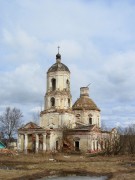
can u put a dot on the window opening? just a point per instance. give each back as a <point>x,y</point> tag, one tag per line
<point>67,84</point>
<point>76,145</point>
<point>90,120</point>
<point>52,101</point>
<point>68,102</point>
<point>57,145</point>
<point>53,84</point>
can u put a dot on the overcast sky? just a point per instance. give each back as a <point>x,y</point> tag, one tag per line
<point>97,43</point>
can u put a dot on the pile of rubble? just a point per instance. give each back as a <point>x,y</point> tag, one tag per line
<point>9,152</point>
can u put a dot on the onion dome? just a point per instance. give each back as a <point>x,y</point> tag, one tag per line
<point>84,102</point>
<point>58,66</point>
<point>58,56</point>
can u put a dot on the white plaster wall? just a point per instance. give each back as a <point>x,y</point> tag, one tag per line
<point>86,141</point>
<point>61,78</point>
<point>55,136</point>
<point>56,120</point>
<point>61,102</point>
<point>84,116</point>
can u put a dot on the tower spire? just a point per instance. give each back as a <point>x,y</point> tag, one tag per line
<point>58,49</point>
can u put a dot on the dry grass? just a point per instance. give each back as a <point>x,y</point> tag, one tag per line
<point>38,165</point>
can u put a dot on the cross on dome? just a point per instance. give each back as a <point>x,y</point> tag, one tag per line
<point>58,49</point>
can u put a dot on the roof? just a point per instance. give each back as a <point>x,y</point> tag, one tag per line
<point>31,126</point>
<point>89,128</point>
<point>85,103</point>
<point>58,66</point>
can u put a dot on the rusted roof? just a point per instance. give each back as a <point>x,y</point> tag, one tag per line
<point>85,103</point>
<point>58,67</point>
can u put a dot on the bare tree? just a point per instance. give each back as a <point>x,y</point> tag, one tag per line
<point>10,121</point>
<point>129,139</point>
<point>112,145</point>
<point>124,143</point>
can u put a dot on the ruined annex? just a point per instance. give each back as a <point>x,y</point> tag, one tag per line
<point>63,126</point>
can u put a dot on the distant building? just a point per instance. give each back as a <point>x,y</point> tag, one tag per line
<point>2,145</point>
<point>64,126</point>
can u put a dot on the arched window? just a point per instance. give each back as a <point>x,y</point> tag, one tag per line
<point>67,84</point>
<point>68,102</point>
<point>53,84</point>
<point>90,120</point>
<point>52,101</point>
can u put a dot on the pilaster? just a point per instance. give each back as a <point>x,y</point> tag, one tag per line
<point>37,143</point>
<point>44,142</point>
<point>25,143</point>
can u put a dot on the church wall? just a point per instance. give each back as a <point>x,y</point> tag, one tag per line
<point>61,101</point>
<point>88,141</point>
<point>84,115</point>
<point>56,120</point>
<point>61,78</point>
<point>84,140</point>
<point>49,120</point>
<point>56,140</point>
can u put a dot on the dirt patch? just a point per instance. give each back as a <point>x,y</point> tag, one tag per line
<point>35,166</point>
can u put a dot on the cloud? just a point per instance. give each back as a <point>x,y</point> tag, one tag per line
<point>23,85</point>
<point>24,47</point>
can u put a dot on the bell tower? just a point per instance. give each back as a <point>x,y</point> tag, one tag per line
<point>58,95</point>
<point>57,111</point>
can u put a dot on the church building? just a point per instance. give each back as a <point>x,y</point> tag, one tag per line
<point>63,126</point>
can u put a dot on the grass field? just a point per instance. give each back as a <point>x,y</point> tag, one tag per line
<point>35,166</point>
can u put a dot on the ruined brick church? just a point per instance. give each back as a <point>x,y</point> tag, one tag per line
<point>63,126</point>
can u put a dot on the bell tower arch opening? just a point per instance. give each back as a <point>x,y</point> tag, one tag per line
<point>52,102</point>
<point>67,84</point>
<point>68,102</point>
<point>53,84</point>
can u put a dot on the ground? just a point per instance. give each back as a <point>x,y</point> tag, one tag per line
<point>35,166</point>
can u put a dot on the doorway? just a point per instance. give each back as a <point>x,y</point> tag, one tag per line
<point>76,145</point>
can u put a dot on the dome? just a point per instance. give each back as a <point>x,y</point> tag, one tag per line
<point>85,103</point>
<point>58,66</point>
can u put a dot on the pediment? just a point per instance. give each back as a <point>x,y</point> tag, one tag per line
<point>31,125</point>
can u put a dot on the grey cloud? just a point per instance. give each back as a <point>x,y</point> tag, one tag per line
<point>24,85</point>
